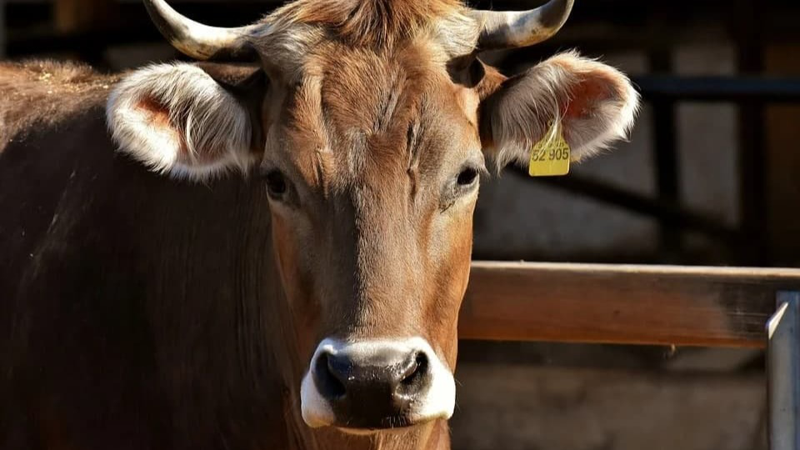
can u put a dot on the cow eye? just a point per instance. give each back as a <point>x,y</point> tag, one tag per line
<point>461,185</point>
<point>467,177</point>
<point>276,184</point>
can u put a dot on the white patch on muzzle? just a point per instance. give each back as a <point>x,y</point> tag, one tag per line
<point>437,402</point>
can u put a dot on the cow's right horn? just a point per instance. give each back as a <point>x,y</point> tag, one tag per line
<point>197,40</point>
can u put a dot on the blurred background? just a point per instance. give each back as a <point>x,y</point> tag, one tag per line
<point>711,176</point>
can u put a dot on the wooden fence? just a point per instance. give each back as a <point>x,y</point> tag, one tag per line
<point>690,306</point>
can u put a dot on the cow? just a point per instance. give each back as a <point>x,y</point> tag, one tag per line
<point>266,248</point>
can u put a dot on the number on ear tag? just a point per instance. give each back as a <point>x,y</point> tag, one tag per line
<point>550,156</point>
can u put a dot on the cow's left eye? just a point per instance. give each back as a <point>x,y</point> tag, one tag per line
<point>276,184</point>
<point>464,183</point>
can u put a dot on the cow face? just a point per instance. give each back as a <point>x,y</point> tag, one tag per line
<point>370,154</point>
<point>372,170</point>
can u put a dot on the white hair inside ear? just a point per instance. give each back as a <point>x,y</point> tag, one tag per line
<point>177,120</point>
<point>593,104</point>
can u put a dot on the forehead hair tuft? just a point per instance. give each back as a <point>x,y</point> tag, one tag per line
<point>378,25</point>
<point>373,23</point>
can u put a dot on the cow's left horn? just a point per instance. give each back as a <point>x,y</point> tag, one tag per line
<point>197,40</point>
<point>512,29</point>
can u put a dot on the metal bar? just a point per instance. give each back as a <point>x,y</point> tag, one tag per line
<point>719,89</point>
<point>752,154</point>
<point>783,368</point>
<point>667,167</point>
<point>2,29</point>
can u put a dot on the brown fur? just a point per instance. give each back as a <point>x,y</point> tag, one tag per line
<point>45,93</point>
<point>194,286</point>
<point>376,24</point>
<point>367,245</point>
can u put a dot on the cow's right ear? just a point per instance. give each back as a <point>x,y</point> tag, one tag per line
<point>179,120</point>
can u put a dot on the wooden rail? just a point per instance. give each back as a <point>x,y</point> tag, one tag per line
<point>623,304</point>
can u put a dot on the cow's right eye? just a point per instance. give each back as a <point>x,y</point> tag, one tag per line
<point>276,184</point>
<point>467,177</point>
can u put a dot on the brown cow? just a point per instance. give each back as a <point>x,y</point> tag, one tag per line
<point>312,301</point>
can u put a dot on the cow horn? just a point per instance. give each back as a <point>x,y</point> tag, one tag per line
<point>197,40</point>
<point>513,29</point>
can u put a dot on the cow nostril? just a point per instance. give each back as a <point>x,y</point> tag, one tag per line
<point>417,370</point>
<point>329,377</point>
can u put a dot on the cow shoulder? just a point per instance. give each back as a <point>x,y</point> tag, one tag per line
<point>45,93</point>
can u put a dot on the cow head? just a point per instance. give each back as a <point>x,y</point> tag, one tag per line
<point>370,124</point>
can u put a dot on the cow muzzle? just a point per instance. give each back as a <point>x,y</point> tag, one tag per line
<point>374,385</point>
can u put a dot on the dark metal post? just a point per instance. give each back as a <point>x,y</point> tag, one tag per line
<point>2,29</point>
<point>752,151</point>
<point>667,167</point>
<point>783,371</point>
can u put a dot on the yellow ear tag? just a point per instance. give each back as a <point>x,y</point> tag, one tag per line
<point>550,156</point>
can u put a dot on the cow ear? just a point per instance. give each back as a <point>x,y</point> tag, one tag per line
<point>178,120</point>
<point>594,104</point>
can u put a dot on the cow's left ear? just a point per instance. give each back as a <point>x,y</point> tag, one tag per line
<point>594,104</point>
<point>179,120</point>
